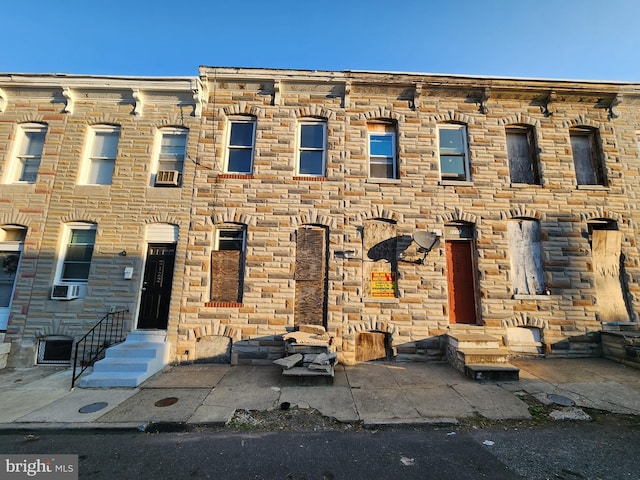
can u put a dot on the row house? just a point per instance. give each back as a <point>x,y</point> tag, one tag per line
<point>95,198</point>
<point>395,210</point>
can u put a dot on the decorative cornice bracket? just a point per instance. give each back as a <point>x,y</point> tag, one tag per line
<point>67,93</point>
<point>139,102</point>
<point>346,99</point>
<point>417,92</point>
<point>544,101</point>
<point>276,91</point>
<point>480,98</point>
<point>200,96</point>
<point>610,104</point>
<point>3,101</point>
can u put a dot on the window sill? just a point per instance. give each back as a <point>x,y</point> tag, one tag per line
<point>309,178</point>
<point>525,185</point>
<point>380,300</point>
<point>593,187</point>
<point>92,190</point>
<point>223,304</point>
<point>238,176</point>
<point>531,297</point>
<point>455,183</point>
<point>392,181</point>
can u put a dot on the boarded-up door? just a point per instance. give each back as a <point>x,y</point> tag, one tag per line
<point>371,346</point>
<point>311,276</point>
<point>606,250</point>
<point>461,282</point>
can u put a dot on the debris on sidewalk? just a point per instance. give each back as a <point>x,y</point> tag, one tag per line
<point>312,356</point>
<point>570,413</point>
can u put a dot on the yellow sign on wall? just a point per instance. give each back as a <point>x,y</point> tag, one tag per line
<point>383,284</point>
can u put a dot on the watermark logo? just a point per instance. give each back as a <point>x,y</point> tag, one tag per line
<point>49,467</point>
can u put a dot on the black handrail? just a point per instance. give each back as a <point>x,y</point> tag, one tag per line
<point>108,331</point>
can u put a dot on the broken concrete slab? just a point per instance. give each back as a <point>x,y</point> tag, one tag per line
<point>325,358</point>
<point>307,338</point>
<point>321,368</point>
<point>289,361</point>
<point>315,329</point>
<point>570,414</point>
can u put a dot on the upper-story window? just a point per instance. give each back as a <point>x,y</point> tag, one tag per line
<point>312,148</point>
<point>454,154</point>
<point>30,143</point>
<point>79,243</point>
<point>241,145</point>
<point>171,154</point>
<point>587,156</point>
<point>522,154</point>
<point>383,162</point>
<point>101,157</point>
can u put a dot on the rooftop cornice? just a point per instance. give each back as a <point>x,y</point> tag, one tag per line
<point>90,82</point>
<point>495,86</point>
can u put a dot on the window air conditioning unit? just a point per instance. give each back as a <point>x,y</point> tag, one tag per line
<point>168,177</point>
<point>65,292</point>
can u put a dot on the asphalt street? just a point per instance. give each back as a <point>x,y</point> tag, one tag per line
<point>566,451</point>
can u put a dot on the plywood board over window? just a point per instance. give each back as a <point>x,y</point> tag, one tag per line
<point>526,257</point>
<point>226,273</point>
<point>606,249</point>
<point>311,276</point>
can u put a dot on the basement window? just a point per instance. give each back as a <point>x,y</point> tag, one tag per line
<point>54,350</point>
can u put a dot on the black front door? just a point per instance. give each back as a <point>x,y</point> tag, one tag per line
<point>156,286</point>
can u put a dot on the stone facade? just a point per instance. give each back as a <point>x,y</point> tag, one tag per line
<point>368,221</point>
<point>68,106</point>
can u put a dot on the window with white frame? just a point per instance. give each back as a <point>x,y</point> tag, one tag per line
<point>76,259</point>
<point>311,150</point>
<point>101,156</point>
<point>383,161</point>
<point>171,154</point>
<point>240,147</point>
<point>453,149</point>
<point>30,143</point>
<point>11,243</point>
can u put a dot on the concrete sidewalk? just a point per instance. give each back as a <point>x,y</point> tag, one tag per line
<point>372,393</point>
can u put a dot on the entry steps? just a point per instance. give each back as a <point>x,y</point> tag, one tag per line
<point>128,364</point>
<point>480,357</point>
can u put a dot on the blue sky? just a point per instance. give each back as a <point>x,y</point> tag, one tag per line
<point>557,39</point>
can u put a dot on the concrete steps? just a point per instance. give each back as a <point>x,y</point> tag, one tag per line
<point>480,356</point>
<point>128,364</point>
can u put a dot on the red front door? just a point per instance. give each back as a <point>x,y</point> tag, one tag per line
<point>461,282</point>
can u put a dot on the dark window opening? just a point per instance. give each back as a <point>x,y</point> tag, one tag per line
<point>54,351</point>
<point>522,154</point>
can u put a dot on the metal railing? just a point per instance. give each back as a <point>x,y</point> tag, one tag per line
<point>90,348</point>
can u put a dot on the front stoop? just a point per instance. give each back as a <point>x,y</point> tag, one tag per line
<point>128,364</point>
<point>480,357</point>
